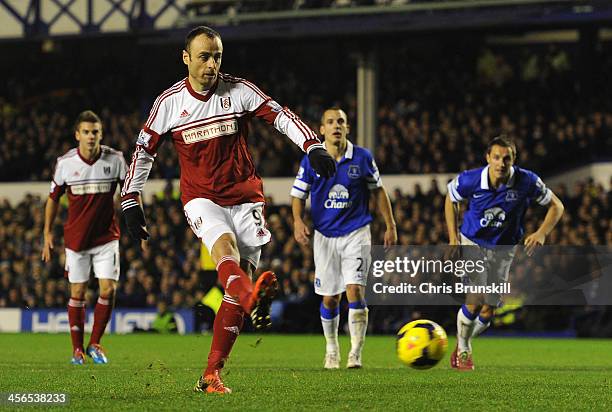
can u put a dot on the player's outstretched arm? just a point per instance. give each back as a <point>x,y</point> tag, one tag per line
<point>289,124</point>
<point>386,211</point>
<point>300,230</point>
<point>51,208</point>
<point>553,215</point>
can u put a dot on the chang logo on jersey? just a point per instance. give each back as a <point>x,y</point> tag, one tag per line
<point>338,198</point>
<point>210,131</point>
<point>493,217</point>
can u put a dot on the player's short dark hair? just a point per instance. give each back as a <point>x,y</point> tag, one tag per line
<point>502,141</point>
<point>86,116</point>
<point>332,108</point>
<point>196,31</point>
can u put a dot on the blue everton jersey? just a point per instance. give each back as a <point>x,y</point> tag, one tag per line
<point>495,217</point>
<point>339,205</point>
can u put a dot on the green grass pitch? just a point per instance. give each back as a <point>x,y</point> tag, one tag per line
<point>281,372</point>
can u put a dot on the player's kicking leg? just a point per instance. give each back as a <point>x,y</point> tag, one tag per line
<point>330,319</point>
<point>358,323</point>
<point>241,297</point>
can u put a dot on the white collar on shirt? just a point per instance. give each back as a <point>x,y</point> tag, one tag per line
<point>484,178</point>
<point>348,154</point>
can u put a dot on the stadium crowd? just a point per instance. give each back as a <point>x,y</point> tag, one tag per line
<point>170,270</point>
<point>428,120</point>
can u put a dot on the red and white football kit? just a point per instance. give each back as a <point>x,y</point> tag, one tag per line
<point>221,190</point>
<point>91,232</point>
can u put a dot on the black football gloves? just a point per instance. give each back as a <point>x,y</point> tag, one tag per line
<point>134,217</point>
<point>322,162</point>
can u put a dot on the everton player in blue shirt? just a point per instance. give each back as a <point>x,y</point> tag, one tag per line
<point>498,196</point>
<point>341,220</point>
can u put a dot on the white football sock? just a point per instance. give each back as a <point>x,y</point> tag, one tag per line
<point>465,323</point>
<point>330,319</point>
<point>358,325</point>
<point>480,325</point>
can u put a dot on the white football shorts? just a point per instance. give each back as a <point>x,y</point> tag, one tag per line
<point>341,261</point>
<point>497,267</point>
<point>209,221</point>
<point>103,258</point>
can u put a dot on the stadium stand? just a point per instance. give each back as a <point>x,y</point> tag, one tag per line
<point>429,121</point>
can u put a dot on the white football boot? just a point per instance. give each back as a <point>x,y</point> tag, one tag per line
<point>354,360</point>
<point>332,360</point>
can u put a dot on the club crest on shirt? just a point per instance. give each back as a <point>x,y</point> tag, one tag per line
<point>354,171</point>
<point>511,196</point>
<point>107,170</point>
<point>226,103</point>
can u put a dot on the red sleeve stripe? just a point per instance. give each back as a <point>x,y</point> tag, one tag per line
<point>130,174</point>
<point>232,79</point>
<point>312,134</point>
<point>229,78</point>
<point>293,117</point>
<point>160,99</point>
<point>154,111</point>
<point>256,89</point>
<point>306,131</point>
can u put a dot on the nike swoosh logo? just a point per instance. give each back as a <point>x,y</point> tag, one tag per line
<point>477,196</point>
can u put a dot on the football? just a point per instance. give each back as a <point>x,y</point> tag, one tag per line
<point>421,344</point>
